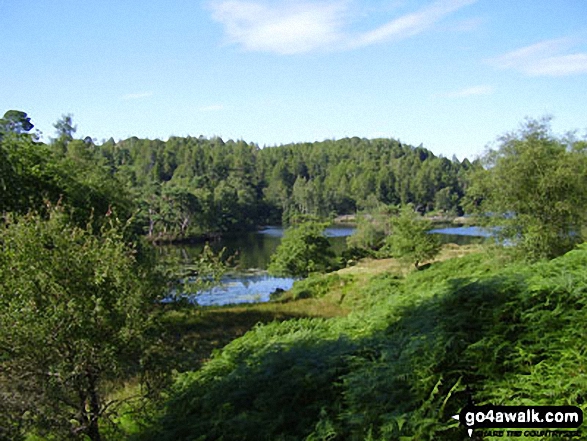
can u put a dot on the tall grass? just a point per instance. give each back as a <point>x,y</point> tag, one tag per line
<point>402,364</point>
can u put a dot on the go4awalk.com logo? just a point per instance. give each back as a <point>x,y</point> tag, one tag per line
<point>530,418</point>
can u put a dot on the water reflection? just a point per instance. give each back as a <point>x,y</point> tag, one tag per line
<point>253,251</point>
<point>340,230</point>
<point>462,235</point>
<point>463,231</point>
<point>242,288</point>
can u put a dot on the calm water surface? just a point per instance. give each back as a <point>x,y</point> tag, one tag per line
<point>462,235</point>
<point>252,251</point>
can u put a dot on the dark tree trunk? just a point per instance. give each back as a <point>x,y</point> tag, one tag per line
<point>93,428</point>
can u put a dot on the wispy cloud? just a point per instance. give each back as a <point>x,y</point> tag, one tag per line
<point>212,108</point>
<point>468,91</point>
<point>411,24</point>
<point>291,28</point>
<point>546,58</point>
<point>136,96</point>
<point>466,25</point>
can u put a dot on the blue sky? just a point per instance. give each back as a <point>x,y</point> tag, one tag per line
<point>452,75</point>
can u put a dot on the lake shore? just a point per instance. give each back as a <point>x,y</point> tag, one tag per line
<point>196,332</point>
<point>351,219</point>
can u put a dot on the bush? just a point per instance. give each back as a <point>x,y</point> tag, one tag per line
<point>317,285</point>
<point>303,250</point>
<point>74,316</point>
<point>401,367</point>
<point>533,190</point>
<point>411,240</point>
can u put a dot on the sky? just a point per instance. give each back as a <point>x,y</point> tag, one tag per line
<point>451,75</point>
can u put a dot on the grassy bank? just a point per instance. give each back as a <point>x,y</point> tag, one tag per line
<point>398,365</point>
<point>192,334</point>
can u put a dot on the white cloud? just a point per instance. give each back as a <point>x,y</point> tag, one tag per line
<point>562,65</point>
<point>466,25</point>
<point>289,27</point>
<point>545,58</point>
<point>469,91</point>
<point>137,96</point>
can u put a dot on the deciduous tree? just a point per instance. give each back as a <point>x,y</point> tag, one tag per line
<point>533,188</point>
<point>15,121</point>
<point>411,240</point>
<point>74,311</point>
<point>303,250</point>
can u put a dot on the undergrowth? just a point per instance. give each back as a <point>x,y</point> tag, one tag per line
<point>400,365</point>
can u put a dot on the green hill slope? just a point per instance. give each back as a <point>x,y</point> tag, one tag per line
<point>398,367</point>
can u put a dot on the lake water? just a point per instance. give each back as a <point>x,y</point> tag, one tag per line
<point>242,288</point>
<point>252,252</point>
<point>462,235</point>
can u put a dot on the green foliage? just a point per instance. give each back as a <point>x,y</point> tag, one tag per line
<point>399,368</point>
<point>76,296</point>
<point>534,190</point>
<point>372,228</point>
<point>75,309</point>
<point>317,285</point>
<point>15,122</point>
<point>26,176</point>
<point>303,250</point>
<point>246,186</point>
<point>33,177</point>
<point>200,274</point>
<point>446,201</point>
<point>411,240</point>
<point>285,355</point>
<point>65,129</point>
<point>187,187</point>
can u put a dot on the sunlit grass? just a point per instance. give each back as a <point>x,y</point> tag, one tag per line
<point>191,334</point>
<point>195,332</point>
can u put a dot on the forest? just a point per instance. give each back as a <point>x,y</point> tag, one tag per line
<point>386,342</point>
<point>200,185</point>
<point>188,187</point>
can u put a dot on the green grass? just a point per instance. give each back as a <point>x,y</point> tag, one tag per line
<point>192,334</point>
<point>398,365</point>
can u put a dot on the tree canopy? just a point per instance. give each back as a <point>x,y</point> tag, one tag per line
<point>234,185</point>
<point>303,250</point>
<point>533,189</point>
<point>15,121</point>
<point>190,186</point>
<point>411,240</point>
<point>74,312</point>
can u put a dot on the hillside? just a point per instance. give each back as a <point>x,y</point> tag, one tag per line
<point>399,365</point>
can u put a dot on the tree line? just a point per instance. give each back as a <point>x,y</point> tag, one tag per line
<point>193,185</point>
<point>190,186</point>
<point>532,186</point>
<point>80,291</point>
